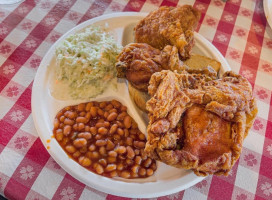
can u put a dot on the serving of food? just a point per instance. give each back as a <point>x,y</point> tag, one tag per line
<point>158,111</point>
<point>199,124</point>
<point>84,63</point>
<point>102,137</point>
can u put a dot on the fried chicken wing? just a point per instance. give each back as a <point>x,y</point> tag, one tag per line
<point>169,26</point>
<point>138,61</point>
<point>196,123</point>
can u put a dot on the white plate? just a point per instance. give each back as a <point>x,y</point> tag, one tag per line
<point>167,179</point>
<point>267,4</point>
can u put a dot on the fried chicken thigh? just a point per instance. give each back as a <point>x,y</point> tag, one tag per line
<point>196,123</point>
<point>169,26</point>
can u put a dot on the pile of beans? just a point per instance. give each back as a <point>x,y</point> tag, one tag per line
<point>103,138</point>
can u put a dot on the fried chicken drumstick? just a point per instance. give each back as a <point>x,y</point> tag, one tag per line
<point>198,124</point>
<point>169,26</point>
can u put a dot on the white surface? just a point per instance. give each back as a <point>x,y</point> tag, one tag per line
<point>267,4</point>
<point>246,179</point>
<point>192,194</point>
<point>43,184</point>
<point>10,164</point>
<point>7,2</point>
<point>254,141</point>
<point>167,179</point>
<point>24,76</point>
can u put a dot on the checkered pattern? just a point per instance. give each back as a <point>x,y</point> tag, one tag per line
<point>237,28</point>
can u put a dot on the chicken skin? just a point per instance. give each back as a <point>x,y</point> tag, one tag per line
<point>198,124</point>
<point>169,26</point>
<point>138,61</point>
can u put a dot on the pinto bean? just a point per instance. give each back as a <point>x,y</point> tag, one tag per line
<point>104,138</point>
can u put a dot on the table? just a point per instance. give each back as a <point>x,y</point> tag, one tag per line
<point>237,28</point>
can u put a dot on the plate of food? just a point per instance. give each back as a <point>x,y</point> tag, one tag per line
<point>267,4</point>
<point>139,105</point>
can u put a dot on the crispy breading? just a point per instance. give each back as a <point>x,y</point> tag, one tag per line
<point>169,26</point>
<point>138,61</point>
<point>196,123</point>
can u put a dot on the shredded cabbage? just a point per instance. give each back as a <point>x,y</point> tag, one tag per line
<point>86,61</point>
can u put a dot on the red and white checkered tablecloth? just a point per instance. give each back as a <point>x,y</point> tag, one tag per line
<point>237,28</point>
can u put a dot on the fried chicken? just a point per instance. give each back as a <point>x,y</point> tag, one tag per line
<point>169,26</point>
<point>138,61</point>
<point>196,123</point>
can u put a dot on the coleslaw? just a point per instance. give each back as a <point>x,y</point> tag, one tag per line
<point>86,62</point>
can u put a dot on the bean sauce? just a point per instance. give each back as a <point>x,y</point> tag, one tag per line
<point>104,138</point>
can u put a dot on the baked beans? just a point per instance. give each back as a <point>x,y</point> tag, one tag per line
<point>102,137</point>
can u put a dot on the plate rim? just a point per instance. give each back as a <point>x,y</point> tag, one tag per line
<point>35,94</point>
<point>268,12</point>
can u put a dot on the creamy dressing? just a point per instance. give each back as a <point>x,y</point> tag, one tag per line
<point>85,64</point>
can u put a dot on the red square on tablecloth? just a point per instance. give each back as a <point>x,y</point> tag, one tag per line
<point>233,6</point>
<point>225,27</point>
<point>25,99</point>
<point>6,131</point>
<point>220,189</point>
<point>266,169</point>
<point>268,132</point>
<point>18,193</point>
<point>41,31</point>
<point>20,55</point>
